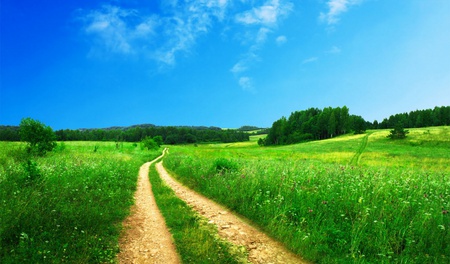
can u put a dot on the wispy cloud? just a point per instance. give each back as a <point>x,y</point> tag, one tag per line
<point>281,40</point>
<point>334,50</point>
<point>239,67</point>
<point>266,14</point>
<point>260,20</point>
<point>112,31</point>
<point>335,9</point>
<point>165,36</point>
<point>309,60</point>
<point>158,36</point>
<point>247,84</point>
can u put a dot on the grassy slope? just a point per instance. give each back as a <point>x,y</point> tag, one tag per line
<point>390,204</point>
<point>67,206</point>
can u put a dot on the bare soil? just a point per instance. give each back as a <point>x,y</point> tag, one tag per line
<point>146,238</point>
<point>261,248</point>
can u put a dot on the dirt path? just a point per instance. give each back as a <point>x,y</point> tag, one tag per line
<point>261,248</point>
<point>147,239</point>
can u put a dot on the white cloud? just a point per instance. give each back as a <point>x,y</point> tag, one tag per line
<point>161,37</point>
<point>281,40</point>
<point>335,9</point>
<point>334,50</point>
<point>266,17</point>
<point>174,31</point>
<point>309,60</point>
<point>267,14</point>
<point>247,84</point>
<point>239,67</point>
<point>110,27</point>
<point>146,28</point>
<point>261,37</point>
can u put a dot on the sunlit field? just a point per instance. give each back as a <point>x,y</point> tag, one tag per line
<point>352,199</point>
<point>67,206</point>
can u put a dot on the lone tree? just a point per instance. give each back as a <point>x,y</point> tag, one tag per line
<point>398,132</point>
<point>40,137</point>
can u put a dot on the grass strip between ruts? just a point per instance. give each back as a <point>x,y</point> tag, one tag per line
<point>196,240</point>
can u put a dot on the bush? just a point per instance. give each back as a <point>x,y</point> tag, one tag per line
<point>40,138</point>
<point>149,143</point>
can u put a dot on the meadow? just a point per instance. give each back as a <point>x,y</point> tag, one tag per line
<point>351,199</point>
<point>69,205</point>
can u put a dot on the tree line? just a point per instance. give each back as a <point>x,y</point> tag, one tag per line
<point>310,124</point>
<point>438,116</point>
<point>316,124</point>
<point>169,135</point>
<point>313,124</point>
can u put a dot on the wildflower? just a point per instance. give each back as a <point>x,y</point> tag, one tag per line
<point>310,210</point>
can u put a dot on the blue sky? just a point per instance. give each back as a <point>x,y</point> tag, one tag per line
<point>87,64</point>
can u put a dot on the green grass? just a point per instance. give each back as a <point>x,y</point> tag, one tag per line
<point>351,199</point>
<point>69,205</point>
<point>390,205</point>
<point>195,239</point>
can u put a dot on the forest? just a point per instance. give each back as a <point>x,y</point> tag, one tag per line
<point>316,124</point>
<point>304,125</point>
<point>170,134</point>
<point>439,116</point>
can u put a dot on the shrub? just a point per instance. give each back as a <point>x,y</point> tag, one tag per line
<point>149,143</point>
<point>40,138</point>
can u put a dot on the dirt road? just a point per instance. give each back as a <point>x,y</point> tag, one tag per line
<point>147,239</point>
<point>261,248</point>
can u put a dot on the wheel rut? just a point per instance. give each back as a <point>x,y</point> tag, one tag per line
<point>261,248</point>
<point>357,157</point>
<point>146,238</point>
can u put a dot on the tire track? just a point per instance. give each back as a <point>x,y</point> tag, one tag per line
<point>261,248</point>
<point>146,238</point>
<point>357,157</point>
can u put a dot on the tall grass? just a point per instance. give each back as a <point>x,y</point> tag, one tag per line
<point>330,212</point>
<point>67,206</point>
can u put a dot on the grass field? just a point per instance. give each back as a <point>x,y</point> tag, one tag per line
<point>351,199</point>
<point>67,206</point>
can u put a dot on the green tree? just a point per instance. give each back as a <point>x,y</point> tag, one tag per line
<point>344,116</point>
<point>398,132</point>
<point>332,124</point>
<point>261,142</point>
<point>358,124</point>
<point>40,138</point>
<point>276,134</point>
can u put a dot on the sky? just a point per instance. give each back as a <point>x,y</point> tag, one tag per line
<point>96,64</point>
